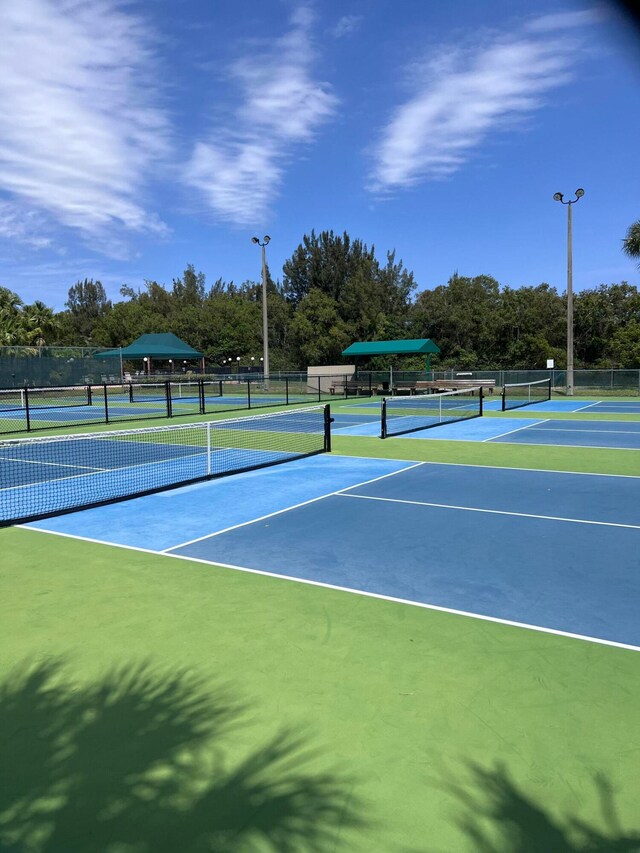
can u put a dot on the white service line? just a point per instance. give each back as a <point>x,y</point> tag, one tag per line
<point>588,406</point>
<point>93,471</point>
<point>54,464</point>
<point>493,511</point>
<point>517,429</point>
<point>376,595</point>
<point>286,509</point>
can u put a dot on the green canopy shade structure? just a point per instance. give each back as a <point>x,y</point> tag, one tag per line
<point>416,346</point>
<point>164,346</point>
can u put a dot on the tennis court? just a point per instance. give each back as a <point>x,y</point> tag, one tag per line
<point>351,651</point>
<point>489,542</point>
<point>622,435</point>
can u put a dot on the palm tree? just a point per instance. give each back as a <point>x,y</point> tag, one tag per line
<point>39,322</point>
<point>10,318</point>
<point>631,243</point>
<point>10,328</point>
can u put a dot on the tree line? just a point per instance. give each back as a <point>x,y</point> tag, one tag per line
<point>334,290</point>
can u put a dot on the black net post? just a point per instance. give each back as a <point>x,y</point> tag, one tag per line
<point>504,401</point>
<point>319,390</point>
<point>26,408</point>
<point>286,390</point>
<point>131,392</point>
<point>105,395</point>
<point>328,420</point>
<point>89,396</point>
<point>481,392</point>
<point>383,420</point>
<point>248,393</point>
<point>167,394</point>
<point>201,395</point>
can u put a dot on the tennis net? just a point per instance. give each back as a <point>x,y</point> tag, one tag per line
<point>49,476</point>
<point>409,414</point>
<point>44,398</point>
<point>520,394</point>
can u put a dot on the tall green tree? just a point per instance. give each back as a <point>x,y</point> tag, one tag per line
<point>318,333</point>
<point>599,313</point>
<point>462,317</point>
<point>325,262</point>
<point>87,303</point>
<point>190,289</point>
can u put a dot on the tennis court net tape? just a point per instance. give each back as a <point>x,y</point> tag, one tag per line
<point>517,394</point>
<point>40,477</point>
<point>401,415</point>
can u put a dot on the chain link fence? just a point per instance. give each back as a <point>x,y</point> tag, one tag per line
<point>625,383</point>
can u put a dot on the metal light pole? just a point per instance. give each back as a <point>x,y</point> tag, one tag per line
<point>559,197</point>
<point>265,323</point>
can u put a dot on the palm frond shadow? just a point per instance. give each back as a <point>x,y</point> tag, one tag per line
<point>141,761</point>
<point>496,816</point>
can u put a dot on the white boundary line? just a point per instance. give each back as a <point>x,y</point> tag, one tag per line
<point>516,429</point>
<point>347,589</point>
<point>492,511</point>
<point>589,431</point>
<point>579,446</point>
<point>496,467</point>
<point>286,509</point>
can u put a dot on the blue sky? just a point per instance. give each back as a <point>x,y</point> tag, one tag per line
<point>139,137</point>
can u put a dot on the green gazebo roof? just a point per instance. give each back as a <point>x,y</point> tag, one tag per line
<point>419,346</point>
<point>165,345</point>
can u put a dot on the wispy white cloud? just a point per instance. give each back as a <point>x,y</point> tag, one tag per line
<point>80,132</point>
<point>462,95</point>
<point>567,20</point>
<point>23,226</point>
<point>281,106</point>
<point>346,25</point>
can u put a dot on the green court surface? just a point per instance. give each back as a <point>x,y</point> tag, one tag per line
<point>149,704</point>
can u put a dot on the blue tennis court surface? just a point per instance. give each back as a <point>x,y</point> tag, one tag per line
<point>556,551</point>
<point>623,435</point>
<point>535,429</point>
